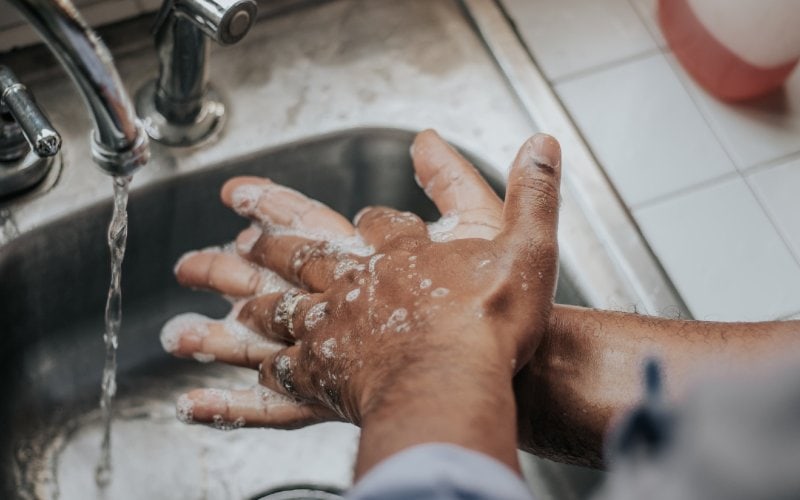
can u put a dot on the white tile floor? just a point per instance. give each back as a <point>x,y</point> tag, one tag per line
<point>714,187</point>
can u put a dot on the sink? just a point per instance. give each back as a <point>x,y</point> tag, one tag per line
<point>54,285</point>
<point>323,96</point>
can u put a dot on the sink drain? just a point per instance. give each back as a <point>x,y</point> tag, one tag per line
<point>301,492</point>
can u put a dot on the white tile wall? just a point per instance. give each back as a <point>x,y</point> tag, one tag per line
<point>715,187</point>
<point>555,31</point>
<point>644,129</point>
<point>723,253</point>
<point>755,132</point>
<point>778,189</point>
<point>648,12</point>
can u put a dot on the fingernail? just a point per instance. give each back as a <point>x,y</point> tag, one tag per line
<point>180,326</point>
<point>545,151</point>
<point>244,198</point>
<point>184,409</point>
<point>359,215</point>
<point>183,259</point>
<point>247,238</point>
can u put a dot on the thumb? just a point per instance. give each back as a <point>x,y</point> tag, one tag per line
<point>530,213</point>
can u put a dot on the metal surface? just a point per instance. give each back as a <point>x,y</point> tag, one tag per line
<point>119,144</point>
<point>179,108</point>
<point>27,139</point>
<point>15,98</point>
<point>340,65</point>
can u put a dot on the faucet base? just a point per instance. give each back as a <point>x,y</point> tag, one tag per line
<point>25,173</point>
<point>204,128</point>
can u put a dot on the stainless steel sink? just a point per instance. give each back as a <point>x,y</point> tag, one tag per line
<point>322,97</point>
<point>54,281</point>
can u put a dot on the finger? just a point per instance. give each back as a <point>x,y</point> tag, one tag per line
<point>382,226</point>
<point>227,273</point>
<point>311,264</point>
<point>196,336</point>
<point>530,215</point>
<point>287,374</point>
<point>270,203</point>
<point>455,186</point>
<point>256,407</point>
<point>284,317</point>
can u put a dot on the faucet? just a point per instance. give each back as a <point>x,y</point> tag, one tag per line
<point>28,141</point>
<point>119,143</point>
<point>179,107</point>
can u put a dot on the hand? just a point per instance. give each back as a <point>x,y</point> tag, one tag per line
<point>486,301</point>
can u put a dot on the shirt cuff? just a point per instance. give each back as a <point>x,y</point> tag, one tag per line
<point>437,472</point>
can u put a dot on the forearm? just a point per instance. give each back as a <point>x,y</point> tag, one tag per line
<point>588,371</point>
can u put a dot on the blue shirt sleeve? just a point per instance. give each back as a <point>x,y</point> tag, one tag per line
<point>440,472</point>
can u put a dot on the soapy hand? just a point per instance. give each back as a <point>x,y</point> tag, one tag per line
<point>347,318</point>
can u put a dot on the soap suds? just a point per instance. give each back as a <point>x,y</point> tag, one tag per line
<point>221,424</point>
<point>439,292</point>
<point>272,282</point>
<point>173,329</point>
<point>327,348</point>
<point>353,294</point>
<point>315,314</point>
<point>245,198</point>
<point>426,283</point>
<point>345,266</point>
<point>441,230</point>
<point>334,242</point>
<point>286,306</point>
<point>245,242</point>
<point>397,321</point>
<point>184,409</point>
<point>269,397</point>
<point>283,372</point>
<point>203,357</point>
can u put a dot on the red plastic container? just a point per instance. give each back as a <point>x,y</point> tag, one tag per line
<point>737,49</point>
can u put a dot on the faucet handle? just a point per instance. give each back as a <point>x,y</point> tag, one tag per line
<point>19,103</point>
<point>224,21</point>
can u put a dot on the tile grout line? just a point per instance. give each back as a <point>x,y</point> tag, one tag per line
<point>656,40</point>
<point>599,68</point>
<point>773,163</point>
<point>686,190</point>
<point>772,222</point>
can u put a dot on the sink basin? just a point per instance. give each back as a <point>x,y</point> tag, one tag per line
<point>54,286</point>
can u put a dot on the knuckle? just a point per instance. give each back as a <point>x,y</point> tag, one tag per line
<point>282,371</point>
<point>305,255</point>
<point>261,248</point>
<point>543,193</point>
<point>404,242</point>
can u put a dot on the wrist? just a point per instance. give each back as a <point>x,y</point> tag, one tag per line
<point>470,405</point>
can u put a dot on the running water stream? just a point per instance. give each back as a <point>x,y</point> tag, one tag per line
<point>117,237</point>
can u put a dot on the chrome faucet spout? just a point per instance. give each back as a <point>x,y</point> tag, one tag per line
<point>179,107</point>
<point>119,143</point>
